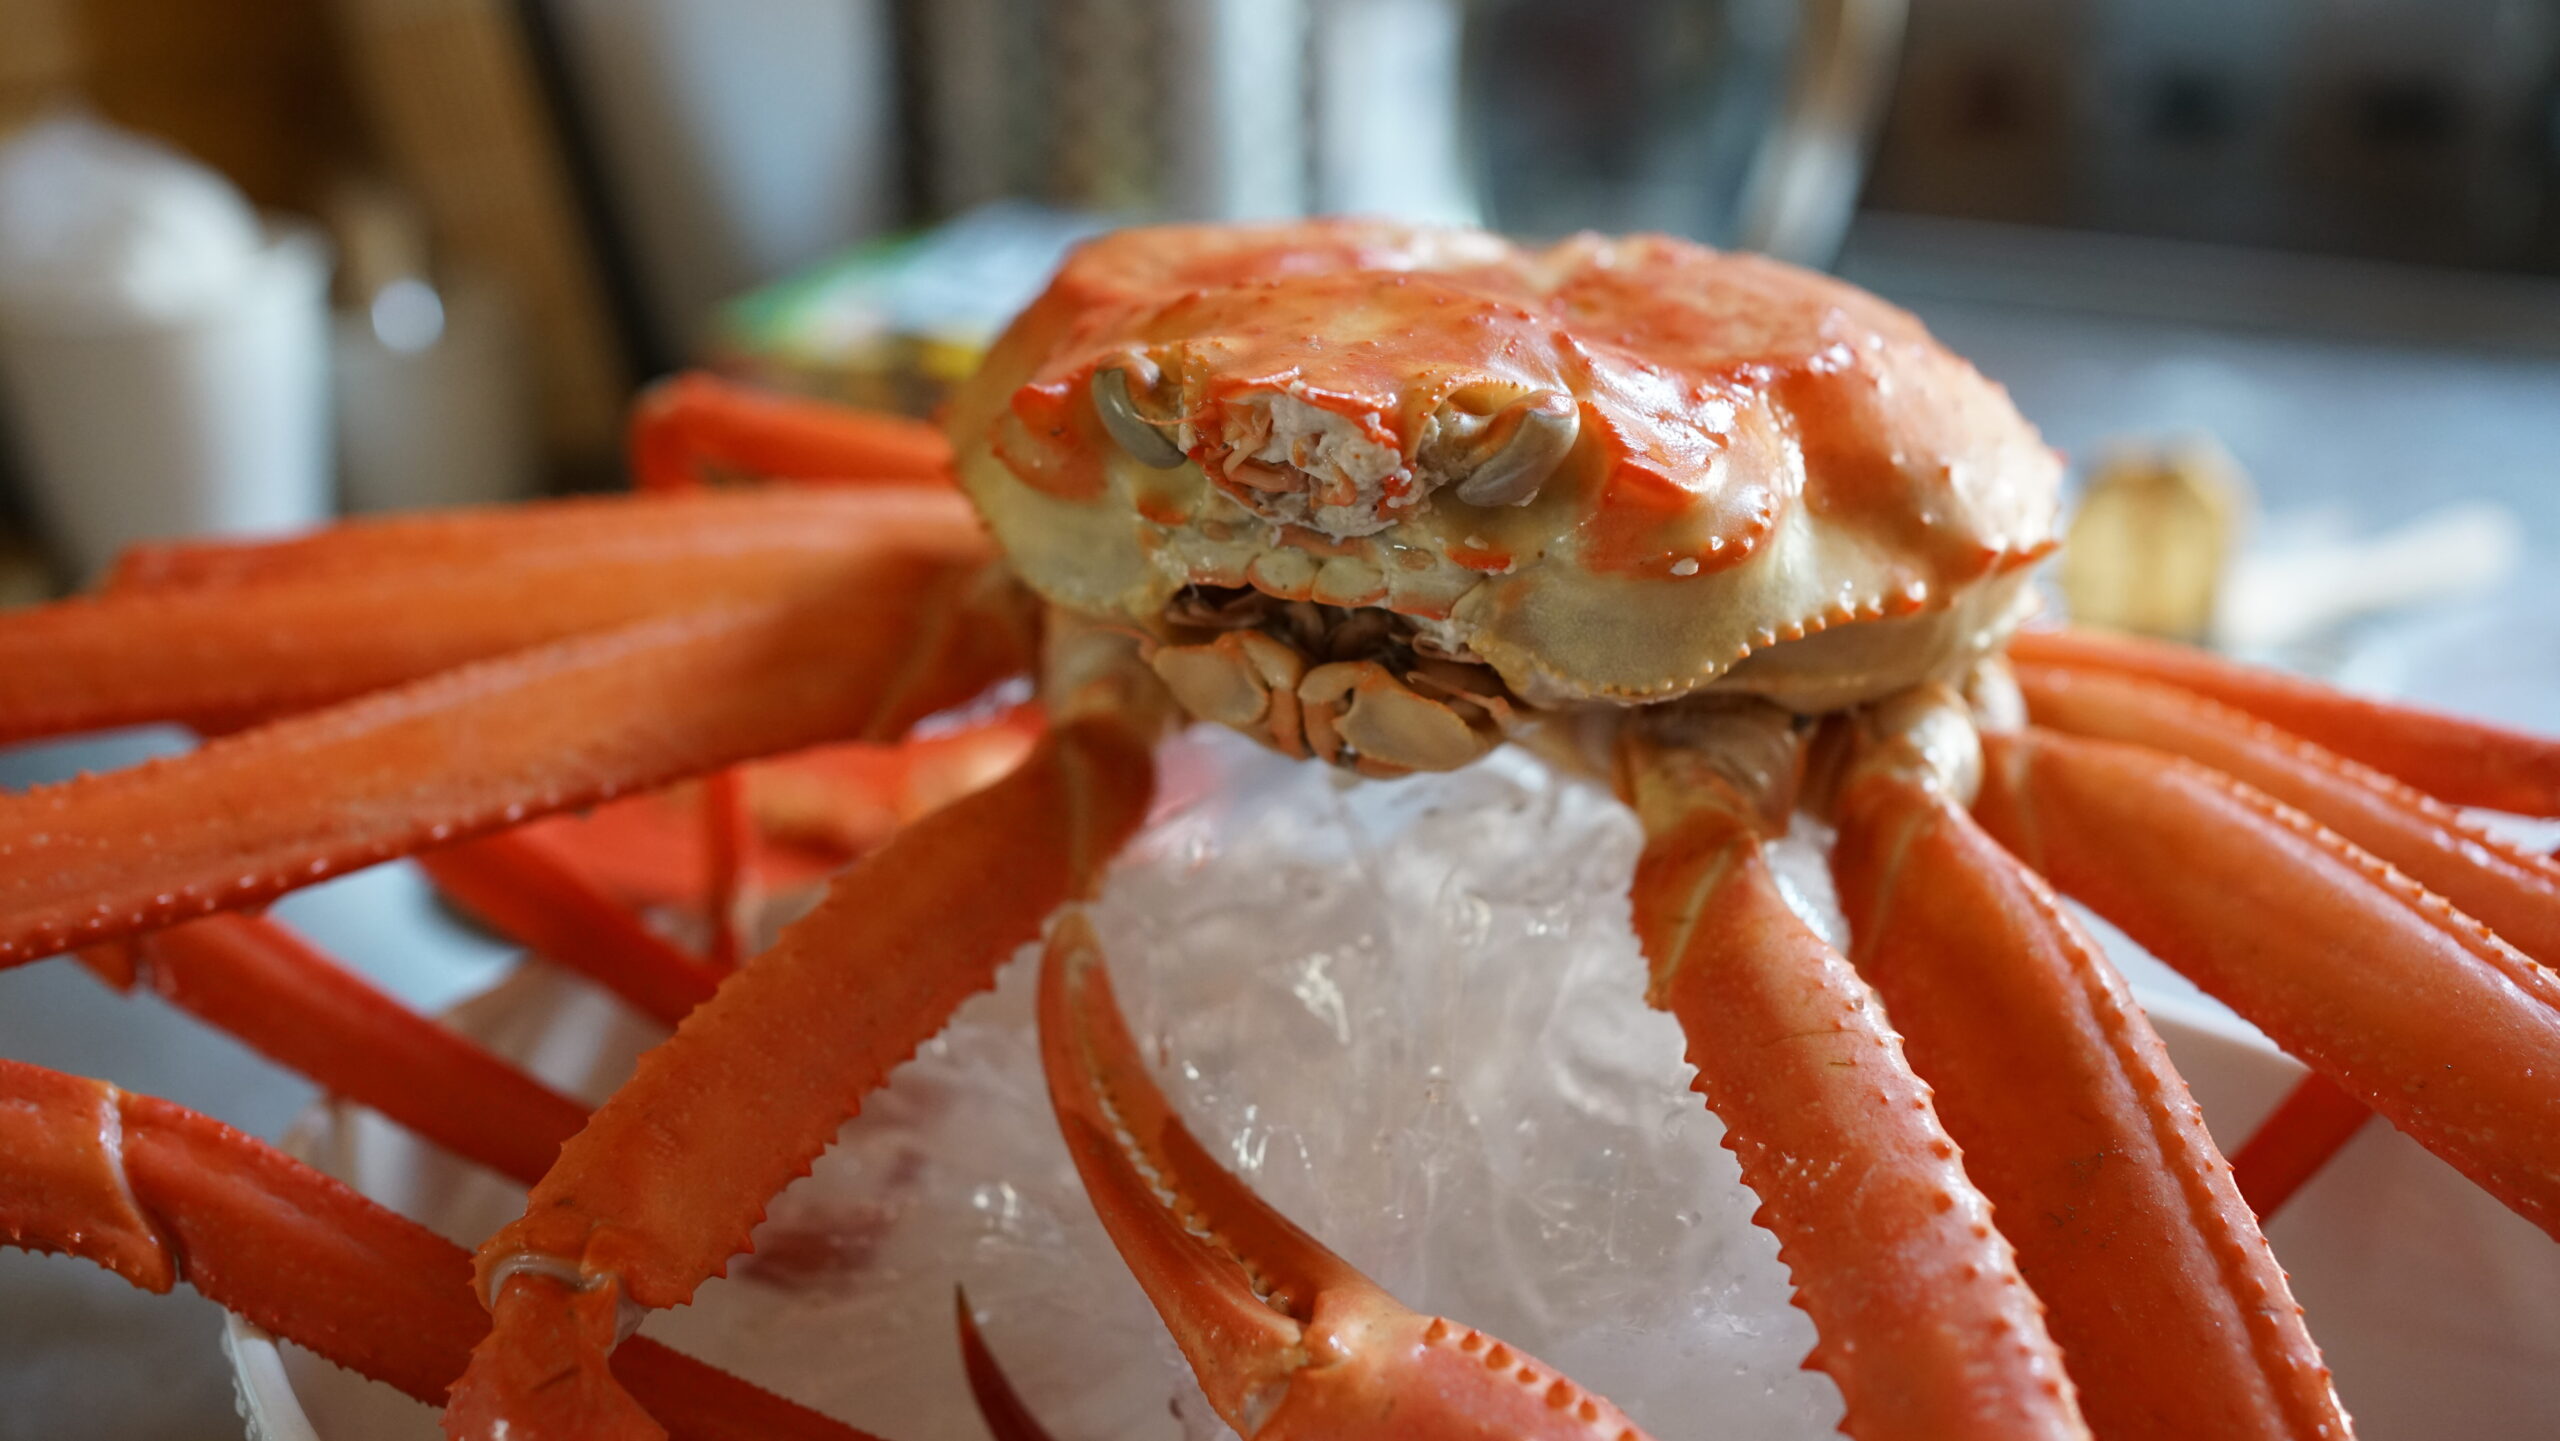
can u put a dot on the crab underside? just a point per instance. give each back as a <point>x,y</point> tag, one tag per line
<point>1737,539</point>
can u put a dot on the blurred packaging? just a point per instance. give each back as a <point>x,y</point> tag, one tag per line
<point>163,354</point>
<point>2304,588</point>
<point>2152,538</point>
<point>894,325</point>
<point>2155,548</point>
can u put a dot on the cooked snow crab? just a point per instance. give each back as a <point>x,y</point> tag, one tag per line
<point>1741,538</point>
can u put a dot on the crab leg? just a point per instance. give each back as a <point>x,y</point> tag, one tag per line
<point>156,1193</point>
<point>551,533</point>
<point>517,883</point>
<point>850,798</point>
<point>351,611</point>
<point>728,856</point>
<point>2464,762</point>
<point>2170,1310</point>
<point>999,1405</point>
<point>2378,985</point>
<point>2511,890</point>
<point>250,816</point>
<point>669,1177</point>
<point>2313,1122</point>
<point>287,1000</point>
<point>1288,1339</point>
<point>692,419</point>
<point>1925,1323</point>
<point>813,811</point>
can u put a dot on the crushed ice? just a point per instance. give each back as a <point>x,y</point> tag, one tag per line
<point>1409,1014</point>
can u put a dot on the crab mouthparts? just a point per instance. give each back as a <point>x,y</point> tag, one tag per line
<point>1362,688</point>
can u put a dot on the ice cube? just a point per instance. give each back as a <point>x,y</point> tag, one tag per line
<point>1410,1014</point>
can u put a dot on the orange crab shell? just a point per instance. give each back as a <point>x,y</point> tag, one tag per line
<point>1764,456</point>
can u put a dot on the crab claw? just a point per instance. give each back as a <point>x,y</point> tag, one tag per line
<point>1288,1340</point>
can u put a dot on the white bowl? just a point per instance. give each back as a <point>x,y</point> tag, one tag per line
<point>2438,1309</point>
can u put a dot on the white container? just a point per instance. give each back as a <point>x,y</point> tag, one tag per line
<point>214,422</point>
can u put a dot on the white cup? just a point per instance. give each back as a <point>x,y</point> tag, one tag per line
<point>216,422</point>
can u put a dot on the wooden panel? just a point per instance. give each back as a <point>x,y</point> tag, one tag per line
<point>37,62</point>
<point>253,88</point>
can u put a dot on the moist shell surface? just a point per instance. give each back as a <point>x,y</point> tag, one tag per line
<point>1778,482</point>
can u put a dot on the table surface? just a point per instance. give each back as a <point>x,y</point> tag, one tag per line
<point>2386,430</point>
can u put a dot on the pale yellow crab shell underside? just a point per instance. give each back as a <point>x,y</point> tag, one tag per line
<point>1890,499</point>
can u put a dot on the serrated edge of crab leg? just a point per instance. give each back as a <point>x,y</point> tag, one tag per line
<point>291,1002</point>
<point>844,996</point>
<point>2374,982</point>
<point>1288,1340</point>
<point>518,885</point>
<point>1923,1319</point>
<point>672,1173</point>
<point>247,817</point>
<point>2455,759</point>
<point>227,656</point>
<point>157,1193</point>
<point>2512,891</point>
<point>2172,1314</point>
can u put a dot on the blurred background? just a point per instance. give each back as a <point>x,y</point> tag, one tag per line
<point>2282,279</point>
<point>262,260</point>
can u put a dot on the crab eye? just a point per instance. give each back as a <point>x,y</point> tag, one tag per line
<point>1144,439</point>
<point>1521,448</point>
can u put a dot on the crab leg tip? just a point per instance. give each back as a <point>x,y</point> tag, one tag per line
<point>999,1405</point>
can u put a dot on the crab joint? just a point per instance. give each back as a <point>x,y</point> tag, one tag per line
<point>628,1314</point>
<point>1742,757</point>
<point>67,1188</point>
<point>1991,689</point>
<point>1521,446</point>
<point>1144,439</point>
<point>1926,733</point>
